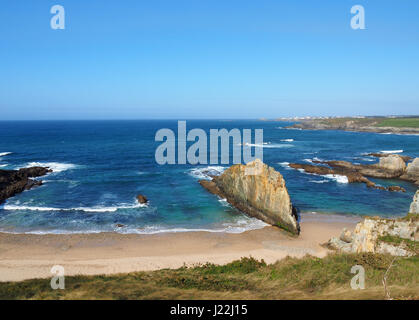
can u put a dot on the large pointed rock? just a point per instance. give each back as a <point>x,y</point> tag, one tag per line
<point>259,191</point>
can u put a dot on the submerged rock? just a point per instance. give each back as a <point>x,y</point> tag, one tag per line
<point>142,199</point>
<point>13,182</point>
<point>259,191</point>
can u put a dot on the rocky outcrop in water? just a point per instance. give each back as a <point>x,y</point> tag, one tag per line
<point>342,168</point>
<point>259,191</point>
<point>398,237</point>
<point>381,155</point>
<point>389,167</point>
<point>412,172</point>
<point>13,182</point>
<point>142,199</point>
<point>414,207</point>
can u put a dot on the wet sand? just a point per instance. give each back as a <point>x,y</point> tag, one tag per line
<point>26,256</point>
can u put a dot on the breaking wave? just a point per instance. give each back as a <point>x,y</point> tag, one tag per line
<point>207,172</point>
<point>55,166</point>
<point>268,145</point>
<point>319,181</point>
<point>286,165</point>
<point>2,154</point>
<point>239,226</point>
<point>391,151</point>
<point>85,209</point>
<point>338,178</point>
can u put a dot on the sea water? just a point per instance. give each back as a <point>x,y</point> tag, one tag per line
<point>101,166</point>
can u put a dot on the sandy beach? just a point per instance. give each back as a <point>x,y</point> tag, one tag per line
<point>26,256</point>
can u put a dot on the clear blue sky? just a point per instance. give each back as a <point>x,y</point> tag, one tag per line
<point>207,59</point>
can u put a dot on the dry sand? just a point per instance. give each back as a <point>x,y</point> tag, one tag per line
<point>25,256</point>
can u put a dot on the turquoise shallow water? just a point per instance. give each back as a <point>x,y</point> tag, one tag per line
<point>100,166</point>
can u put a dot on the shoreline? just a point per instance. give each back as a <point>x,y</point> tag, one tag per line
<point>27,256</point>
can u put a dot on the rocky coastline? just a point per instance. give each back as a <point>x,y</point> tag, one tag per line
<point>397,237</point>
<point>390,166</point>
<point>13,182</point>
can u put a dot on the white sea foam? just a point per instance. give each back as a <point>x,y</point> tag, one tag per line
<point>55,166</point>
<point>314,159</point>
<point>3,165</point>
<point>287,140</point>
<point>286,165</point>
<point>224,202</point>
<point>206,172</point>
<point>2,154</point>
<point>85,209</point>
<point>55,231</point>
<point>268,145</point>
<point>319,181</point>
<point>338,178</point>
<point>239,226</point>
<point>400,134</point>
<point>391,151</point>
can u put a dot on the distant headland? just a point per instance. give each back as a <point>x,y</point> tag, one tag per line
<point>379,124</point>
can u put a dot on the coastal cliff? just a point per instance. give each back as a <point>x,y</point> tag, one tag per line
<point>259,191</point>
<point>364,124</point>
<point>398,237</point>
<point>414,207</point>
<point>13,182</point>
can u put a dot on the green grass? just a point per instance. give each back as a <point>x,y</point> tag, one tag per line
<point>410,245</point>
<point>399,122</point>
<point>290,278</point>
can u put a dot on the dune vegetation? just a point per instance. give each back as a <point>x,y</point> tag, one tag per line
<point>290,278</point>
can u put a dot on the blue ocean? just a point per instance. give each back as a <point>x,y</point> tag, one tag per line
<point>101,166</point>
